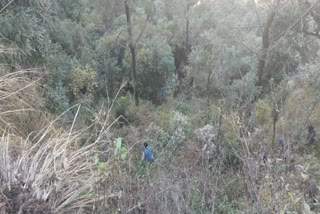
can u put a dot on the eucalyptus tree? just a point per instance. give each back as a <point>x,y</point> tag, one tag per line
<point>286,37</point>
<point>220,55</point>
<point>23,27</point>
<point>137,44</point>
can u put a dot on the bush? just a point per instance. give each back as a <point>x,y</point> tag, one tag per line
<point>263,111</point>
<point>82,82</point>
<point>200,118</point>
<point>225,206</point>
<point>183,108</point>
<point>231,154</point>
<point>157,135</point>
<point>179,128</point>
<point>51,176</point>
<point>197,204</point>
<point>162,116</point>
<point>121,108</point>
<point>206,135</point>
<point>57,101</point>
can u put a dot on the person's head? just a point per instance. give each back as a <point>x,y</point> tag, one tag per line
<point>145,145</point>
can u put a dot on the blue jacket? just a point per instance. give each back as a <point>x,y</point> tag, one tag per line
<point>148,154</point>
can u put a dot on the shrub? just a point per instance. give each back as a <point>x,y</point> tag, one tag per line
<point>263,111</point>
<point>231,156</point>
<point>51,176</point>
<point>200,118</point>
<point>183,108</point>
<point>82,82</point>
<point>179,128</point>
<point>157,135</point>
<point>197,203</point>
<point>121,107</point>
<point>57,101</point>
<point>206,135</point>
<point>225,206</point>
<point>162,116</point>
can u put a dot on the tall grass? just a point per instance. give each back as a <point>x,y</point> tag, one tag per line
<point>54,172</point>
<point>44,169</point>
<point>20,100</point>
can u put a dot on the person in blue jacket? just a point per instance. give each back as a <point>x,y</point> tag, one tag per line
<point>147,153</point>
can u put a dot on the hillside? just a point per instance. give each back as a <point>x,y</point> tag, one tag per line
<point>225,94</point>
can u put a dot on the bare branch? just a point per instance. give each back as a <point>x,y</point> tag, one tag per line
<point>266,40</point>
<point>245,45</point>
<point>278,38</point>
<point>143,29</point>
<point>6,6</point>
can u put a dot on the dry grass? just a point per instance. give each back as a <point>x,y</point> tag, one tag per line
<point>43,168</point>
<point>20,97</point>
<point>20,101</point>
<point>53,175</point>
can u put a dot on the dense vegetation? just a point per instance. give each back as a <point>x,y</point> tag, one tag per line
<point>211,85</point>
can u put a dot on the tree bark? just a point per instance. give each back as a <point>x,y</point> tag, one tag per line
<point>187,33</point>
<point>208,88</point>
<point>274,125</point>
<point>132,47</point>
<point>266,42</point>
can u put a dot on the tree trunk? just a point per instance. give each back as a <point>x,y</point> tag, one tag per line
<point>132,47</point>
<point>208,88</point>
<point>187,33</point>
<point>266,42</point>
<point>274,125</point>
<point>219,134</point>
<point>187,41</point>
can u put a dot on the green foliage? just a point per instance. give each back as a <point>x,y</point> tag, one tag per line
<point>154,63</point>
<point>263,111</point>
<point>24,29</point>
<point>200,118</point>
<point>111,68</point>
<point>82,82</point>
<point>179,128</point>
<point>122,106</point>
<point>162,116</point>
<point>120,151</point>
<point>231,154</point>
<point>57,101</point>
<point>171,85</point>
<point>282,63</point>
<point>214,44</point>
<point>157,135</point>
<point>310,73</point>
<point>242,91</point>
<point>197,204</point>
<point>225,206</point>
<point>206,134</point>
<point>102,167</point>
<point>183,107</point>
<point>146,76</point>
<point>303,101</point>
<point>71,10</point>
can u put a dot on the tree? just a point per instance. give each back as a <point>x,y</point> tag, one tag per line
<point>132,47</point>
<point>266,41</point>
